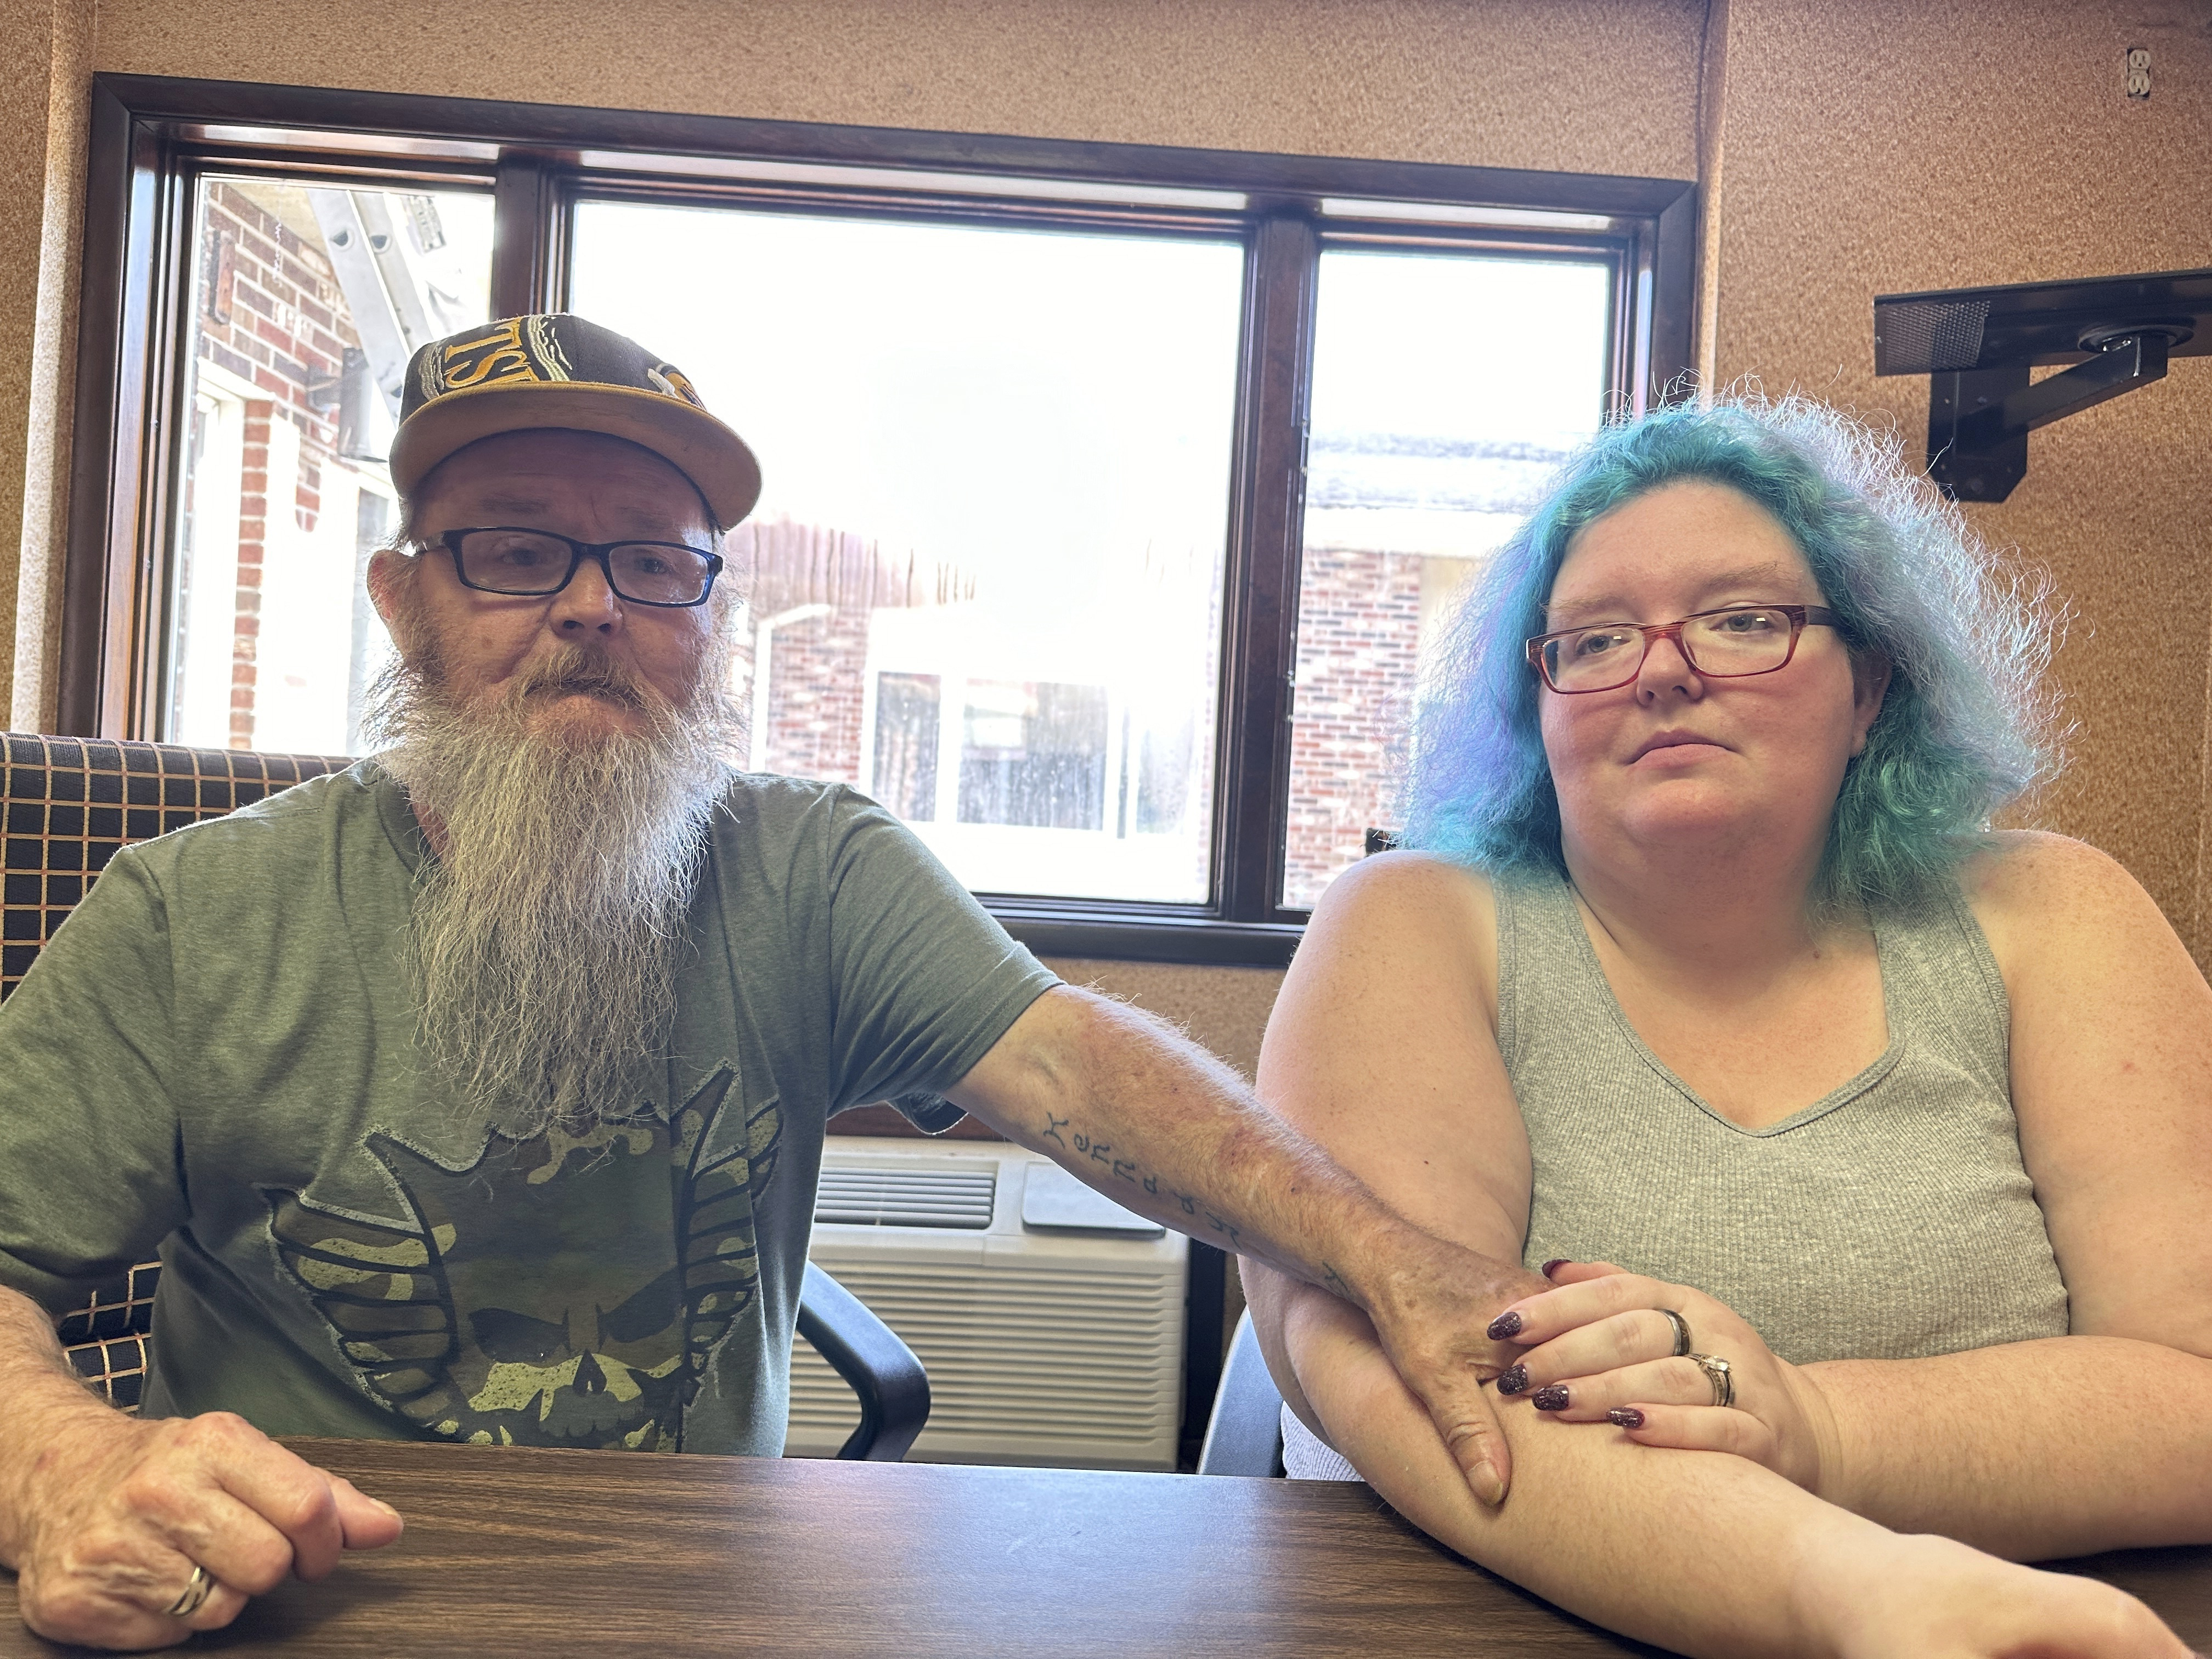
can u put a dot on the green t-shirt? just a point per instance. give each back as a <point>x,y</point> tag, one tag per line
<point>216,1055</point>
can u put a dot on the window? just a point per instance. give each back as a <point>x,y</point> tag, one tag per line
<point>306,302</point>
<point>1434,429</point>
<point>994,458</point>
<point>1112,493</point>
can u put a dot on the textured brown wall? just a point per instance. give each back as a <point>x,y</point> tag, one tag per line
<point>1224,1008</point>
<point>1887,146</point>
<point>45,81</point>
<point>1595,86</point>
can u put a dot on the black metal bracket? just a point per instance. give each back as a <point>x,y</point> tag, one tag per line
<point>1976,345</point>
<point>1979,419</point>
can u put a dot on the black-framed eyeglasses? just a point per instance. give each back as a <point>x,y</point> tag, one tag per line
<point>509,559</point>
<point>1730,643</point>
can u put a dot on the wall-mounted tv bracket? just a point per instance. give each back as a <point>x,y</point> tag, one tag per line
<point>1976,345</point>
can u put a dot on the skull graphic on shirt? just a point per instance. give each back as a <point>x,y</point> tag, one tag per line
<point>566,1289</point>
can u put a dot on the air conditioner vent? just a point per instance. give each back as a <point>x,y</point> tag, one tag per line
<point>1060,1356</point>
<point>1053,1345</point>
<point>851,1195</point>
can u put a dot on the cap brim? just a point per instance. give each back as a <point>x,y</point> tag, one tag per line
<point>687,437</point>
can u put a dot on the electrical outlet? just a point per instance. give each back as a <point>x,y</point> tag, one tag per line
<point>2137,76</point>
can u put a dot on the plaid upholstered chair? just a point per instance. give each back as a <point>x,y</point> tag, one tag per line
<point>69,804</point>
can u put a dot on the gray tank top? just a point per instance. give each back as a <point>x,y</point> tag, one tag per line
<point>1890,1219</point>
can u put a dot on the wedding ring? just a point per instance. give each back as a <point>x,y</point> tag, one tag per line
<point>1682,1329</point>
<point>196,1592</point>
<point>1716,1373</point>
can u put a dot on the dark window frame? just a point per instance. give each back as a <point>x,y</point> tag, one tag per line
<point>152,137</point>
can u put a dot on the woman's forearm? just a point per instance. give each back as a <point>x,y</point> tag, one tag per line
<point>1701,1552</point>
<point>2034,1450</point>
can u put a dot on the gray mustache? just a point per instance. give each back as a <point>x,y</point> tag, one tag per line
<point>608,683</point>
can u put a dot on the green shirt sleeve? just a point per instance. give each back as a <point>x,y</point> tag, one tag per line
<point>926,980</point>
<point>89,1167</point>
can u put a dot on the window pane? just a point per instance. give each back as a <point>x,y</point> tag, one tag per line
<point>1447,387</point>
<point>906,744</point>
<point>1034,754</point>
<point>987,560</point>
<point>308,302</point>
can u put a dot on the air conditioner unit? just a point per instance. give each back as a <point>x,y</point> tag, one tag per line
<point>1050,1319</point>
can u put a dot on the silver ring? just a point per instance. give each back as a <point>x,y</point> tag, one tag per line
<point>1682,1329</point>
<point>1716,1373</point>
<point>196,1593</point>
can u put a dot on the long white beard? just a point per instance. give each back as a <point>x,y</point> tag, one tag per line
<point>549,932</point>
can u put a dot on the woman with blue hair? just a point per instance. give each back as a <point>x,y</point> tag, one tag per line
<point>1866,1151</point>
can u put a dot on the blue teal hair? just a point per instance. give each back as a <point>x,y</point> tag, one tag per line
<point>1968,722</point>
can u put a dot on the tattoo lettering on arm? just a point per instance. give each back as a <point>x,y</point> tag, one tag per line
<point>1084,1150</point>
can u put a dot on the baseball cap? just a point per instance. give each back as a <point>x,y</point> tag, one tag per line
<point>557,369</point>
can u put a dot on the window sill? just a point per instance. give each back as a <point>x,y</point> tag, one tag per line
<point>1137,934</point>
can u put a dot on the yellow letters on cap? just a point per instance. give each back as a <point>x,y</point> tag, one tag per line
<point>498,354</point>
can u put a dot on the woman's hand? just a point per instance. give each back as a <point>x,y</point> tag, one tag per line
<point>1937,1599</point>
<point>1599,1349</point>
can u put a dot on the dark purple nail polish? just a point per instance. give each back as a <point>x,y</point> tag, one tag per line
<point>1625,1416</point>
<point>1513,1379</point>
<point>1555,1264</point>
<point>1553,1397</point>
<point>1506,1324</point>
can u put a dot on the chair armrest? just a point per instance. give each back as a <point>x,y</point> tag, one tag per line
<point>867,1353</point>
<point>1245,1434</point>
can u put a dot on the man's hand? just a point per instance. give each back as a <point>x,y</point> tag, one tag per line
<point>113,1514</point>
<point>1431,1303</point>
<point>1160,1126</point>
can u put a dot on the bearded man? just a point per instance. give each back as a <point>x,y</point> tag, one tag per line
<point>477,1093</point>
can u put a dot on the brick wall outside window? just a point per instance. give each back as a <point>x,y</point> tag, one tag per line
<point>816,683</point>
<point>271,314</point>
<point>1359,637</point>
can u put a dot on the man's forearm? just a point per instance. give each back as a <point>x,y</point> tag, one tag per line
<point>2033,1450</point>
<point>1176,1136</point>
<point>40,1391</point>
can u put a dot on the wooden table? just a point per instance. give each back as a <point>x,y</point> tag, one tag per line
<point>610,1554</point>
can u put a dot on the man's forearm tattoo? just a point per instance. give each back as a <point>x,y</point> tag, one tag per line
<point>1129,1170</point>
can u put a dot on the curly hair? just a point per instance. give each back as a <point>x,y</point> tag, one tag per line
<point>1969,722</point>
